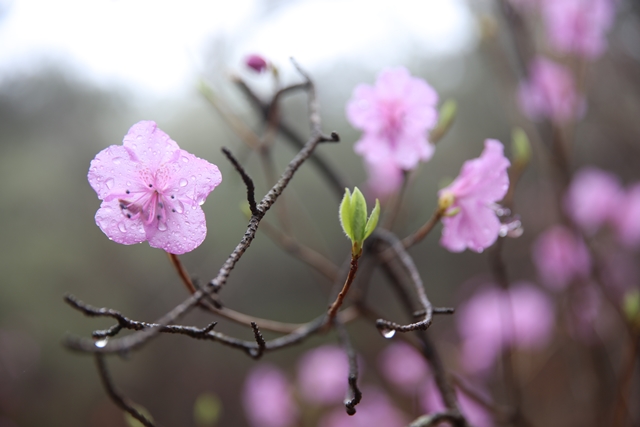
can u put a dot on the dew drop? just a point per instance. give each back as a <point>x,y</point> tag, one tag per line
<point>185,159</point>
<point>101,343</point>
<point>110,183</point>
<point>387,333</point>
<point>117,160</point>
<point>122,227</point>
<point>201,202</point>
<point>193,177</point>
<point>179,207</point>
<point>183,182</point>
<point>162,226</point>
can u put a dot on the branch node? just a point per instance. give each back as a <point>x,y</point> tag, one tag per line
<point>257,353</point>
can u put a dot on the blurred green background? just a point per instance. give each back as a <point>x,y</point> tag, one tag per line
<point>57,112</point>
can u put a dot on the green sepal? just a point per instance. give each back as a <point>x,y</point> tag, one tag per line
<point>373,220</point>
<point>520,146</point>
<point>447,115</point>
<point>346,215</point>
<point>359,214</point>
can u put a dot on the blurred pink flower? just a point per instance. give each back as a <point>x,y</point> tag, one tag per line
<point>481,183</point>
<point>550,92</point>
<point>560,257</point>
<point>403,366</point>
<point>626,218</point>
<point>395,116</point>
<point>494,319</point>
<point>578,26</point>
<point>384,179</point>
<point>593,198</point>
<point>256,62</point>
<point>152,190</point>
<point>267,398</point>
<point>476,414</point>
<point>375,410</point>
<point>322,375</point>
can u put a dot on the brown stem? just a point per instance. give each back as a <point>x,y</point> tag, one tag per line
<point>347,284</point>
<point>423,231</point>
<point>184,276</point>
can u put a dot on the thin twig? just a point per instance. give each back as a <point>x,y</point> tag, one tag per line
<point>117,398</point>
<point>248,182</point>
<point>423,231</point>
<point>354,395</point>
<point>259,340</point>
<point>333,309</point>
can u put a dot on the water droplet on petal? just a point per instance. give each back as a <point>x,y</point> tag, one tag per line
<point>183,182</point>
<point>122,227</point>
<point>185,159</point>
<point>201,202</point>
<point>179,207</point>
<point>387,333</point>
<point>102,343</point>
<point>117,160</point>
<point>162,226</point>
<point>109,183</point>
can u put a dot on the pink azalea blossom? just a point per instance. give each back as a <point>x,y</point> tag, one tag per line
<point>395,116</point>
<point>384,179</point>
<point>626,218</point>
<point>375,410</point>
<point>495,319</point>
<point>323,374</point>
<point>482,182</point>
<point>403,366</point>
<point>560,257</point>
<point>152,190</point>
<point>585,307</point>
<point>550,92</point>
<point>593,198</point>
<point>267,398</point>
<point>476,414</point>
<point>578,26</point>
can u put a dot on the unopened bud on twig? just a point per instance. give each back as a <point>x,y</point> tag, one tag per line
<point>353,217</point>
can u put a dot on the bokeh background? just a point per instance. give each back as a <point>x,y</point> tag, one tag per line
<point>75,75</point>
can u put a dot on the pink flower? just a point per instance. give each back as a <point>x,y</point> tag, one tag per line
<point>375,410</point>
<point>578,26</point>
<point>550,93</point>
<point>626,218</point>
<point>152,190</point>
<point>395,116</point>
<point>267,398</point>
<point>384,179</point>
<point>323,375</point>
<point>494,319</point>
<point>481,183</point>
<point>256,62</point>
<point>560,257</point>
<point>593,198</point>
<point>476,414</point>
<point>403,366</point>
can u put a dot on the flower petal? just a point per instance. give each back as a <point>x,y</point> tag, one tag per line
<point>475,227</point>
<point>113,171</point>
<point>149,145</point>
<point>184,231</point>
<point>190,177</point>
<point>115,224</point>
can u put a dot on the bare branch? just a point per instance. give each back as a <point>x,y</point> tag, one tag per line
<point>117,398</point>
<point>248,182</point>
<point>354,395</point>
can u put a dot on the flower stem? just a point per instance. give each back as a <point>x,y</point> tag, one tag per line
<point>333,309</point>
<point>175,261</point>
<point>423,231</point>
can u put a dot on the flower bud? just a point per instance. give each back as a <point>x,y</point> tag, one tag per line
<point>256,62</point>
